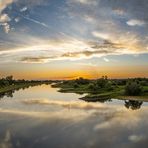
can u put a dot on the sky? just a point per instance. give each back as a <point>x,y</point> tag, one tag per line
<point>66,39</point>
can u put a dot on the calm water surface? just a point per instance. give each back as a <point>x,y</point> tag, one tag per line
<point>42,117</point>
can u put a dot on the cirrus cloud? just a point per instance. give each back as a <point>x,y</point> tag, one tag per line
<point>134,22</point>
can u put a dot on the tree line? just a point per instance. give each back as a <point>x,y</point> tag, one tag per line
<point>132,86</point>
<point>9,80</point>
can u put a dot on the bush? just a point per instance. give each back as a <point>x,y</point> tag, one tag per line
<point>75,85</point>
<point>82,81</point>
<point>102,82</point>
<point>133,88</point>
<point>109,86</point>
<point>144,83</point>
<point>121,82</point>
<point>92,87</point>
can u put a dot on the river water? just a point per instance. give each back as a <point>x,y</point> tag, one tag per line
<point>42,117</point>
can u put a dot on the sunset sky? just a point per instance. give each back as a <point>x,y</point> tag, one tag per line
<point>66,39</point>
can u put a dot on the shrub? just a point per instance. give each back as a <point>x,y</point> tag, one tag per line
<point>102,82</point>
<point>144,83</point>
<point>92,87</point>
<point>82,81</point>
<point>75,85</point>
<point>109,86</point>
<point>133,88</point>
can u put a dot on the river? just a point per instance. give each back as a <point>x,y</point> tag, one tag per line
<point>42,117</point>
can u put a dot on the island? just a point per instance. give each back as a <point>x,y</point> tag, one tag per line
<point>104,88</point>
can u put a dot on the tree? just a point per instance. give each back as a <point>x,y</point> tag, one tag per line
<point>102,82</point>
<point>82,81</point>
<point>9,79</point>
<point>92,87</point>
<point>133,88</point>
<point>132,104</point>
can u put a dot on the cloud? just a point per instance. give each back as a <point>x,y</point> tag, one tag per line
<point>62,49</point>
<point>134,22</point>
<point>4,18</point>
<point>29,3</point>
<point>23,9</point>
<point>32,3</point>
<point>136,138</point>
<point>17,19</point>
<point>95,28</point>
<point>6,27</point>
<point>86,53</point>
<point>119,116</point>
<point>93,49</point>
<point>119,11</point>
<point>37,22</point>
<point>85,2</point>
<point>4,4</point>
<point>35,59</point>
<point>6,142</point>
<point>108,21</point>
<point>106,60</point>
<point>89,19</point>
<point>100,35</point>
<point>66,104</point>
<point>88,64</point>
<point>66,56</point>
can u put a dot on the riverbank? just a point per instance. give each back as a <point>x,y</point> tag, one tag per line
<point>19,86</point>
<point>97,93</point>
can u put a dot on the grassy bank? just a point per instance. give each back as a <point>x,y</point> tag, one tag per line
<point>18,86</point>
<point>103,88</point>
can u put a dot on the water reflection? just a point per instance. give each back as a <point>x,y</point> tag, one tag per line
<point>7,94</point>
<point>105,127</point>
<point>132,104</point>
<point>11,92</point>
<point>42,117</point>
<point>129,104</point>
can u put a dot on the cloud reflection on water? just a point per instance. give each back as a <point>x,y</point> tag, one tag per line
<point>83,125</point>
<point>66,104</point>
<point>59,123</point>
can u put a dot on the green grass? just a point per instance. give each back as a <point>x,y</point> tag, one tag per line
<point>102,93</point>
<point>67,88</point>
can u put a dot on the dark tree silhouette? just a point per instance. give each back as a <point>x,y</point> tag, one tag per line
<point>132,104</point>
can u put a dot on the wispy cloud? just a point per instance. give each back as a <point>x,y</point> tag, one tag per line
<point>38,59</point>
<point>90,28</point>
<point>137,138</point>
<point>106,60</point>
<point>23,9</point>
<point>85,2</point>
<point>49,50</point>
<point>100,35</point>
<point>66,104</point>
<point>37,22</point>
<point>134,22</point>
